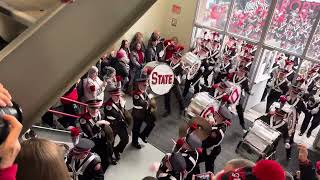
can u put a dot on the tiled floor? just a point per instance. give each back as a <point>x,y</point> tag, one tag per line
<point>135,164</point>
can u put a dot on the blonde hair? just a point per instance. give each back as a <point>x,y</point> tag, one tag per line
<point>41,159</point>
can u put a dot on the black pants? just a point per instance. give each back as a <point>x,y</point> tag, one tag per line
<point>69,121</point>
<point>137,123</point>
<point>305,122</point>
<point>265,93</point>
<point>240,115</point>
<point>104,150</point>
<point>315,122</point>
<point>176,90</point>
<point>120,129</point>
<point>288,151</point>
<point>48,119</point>
<point>273,97</point>
<point>206,76</point>
<point>209,159</point>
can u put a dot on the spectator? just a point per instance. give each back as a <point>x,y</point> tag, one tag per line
<point>93,87</point>
<point>307,172</point>
<point>152,52</point>
<point>111,80</point>
<point>236,164</point>
<point>136,61</point>
<point>122,68</point>
<point>70,107</point>
<point>11,146</point>
<point>125,46</point>
<point>138,38</point>
<point>106,62</point>
<point>46,160</point>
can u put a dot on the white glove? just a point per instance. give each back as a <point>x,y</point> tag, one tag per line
<point>202,69</point>
<point>210,68</point>
<point>315,111</point>
<point>217,69</point>
<point>287,145</point>
<point>102,122</point>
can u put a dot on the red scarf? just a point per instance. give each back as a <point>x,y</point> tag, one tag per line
<point>140,54</point>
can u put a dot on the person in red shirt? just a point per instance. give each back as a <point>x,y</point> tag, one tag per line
<point>10,148</point>
<point>70,107</point>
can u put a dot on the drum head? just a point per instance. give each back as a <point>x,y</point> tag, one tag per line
<point>161,79</point>
<point>203,130</point>
<point>193,70</point>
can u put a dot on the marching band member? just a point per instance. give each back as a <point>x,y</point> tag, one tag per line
<point>289,67</point>
<point>176,66</point>
<point>170,48</point>
<point>294,100</point>
<point>276,121</point>
<point>312,111</point>
<point>225,68</point>
<point>278,86</point>
<point>240,78</point>
<point>211,61</point>
<point>217,90</point>
<point>99,131</point>
<point>173,167</point>
<point>212,145</point>
<point>141,112</point>
<point>83,164</point>
<point>312,77</point>
<point>190,150</point>
<point>115,114</point>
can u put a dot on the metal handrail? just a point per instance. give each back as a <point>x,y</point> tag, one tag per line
<point>63,114</point>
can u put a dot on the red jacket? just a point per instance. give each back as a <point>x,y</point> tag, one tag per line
<point>72,95</point>
<point>9,173</point>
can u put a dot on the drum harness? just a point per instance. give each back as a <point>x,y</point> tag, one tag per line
<point>94,123</point>
<point>143,98</point>
<point>222,136</point>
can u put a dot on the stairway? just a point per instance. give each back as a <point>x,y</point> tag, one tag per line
<point>53,52</point>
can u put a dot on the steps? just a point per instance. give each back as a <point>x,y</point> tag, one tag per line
<point>45,60</point>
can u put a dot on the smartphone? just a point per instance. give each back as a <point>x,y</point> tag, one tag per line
<point>205,176</point>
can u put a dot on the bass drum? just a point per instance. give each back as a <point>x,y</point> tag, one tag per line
<point>161,77</point>
<point>203,128</point>
<point>190,64</point>
<point>202,104</point>
<point>259,143</point>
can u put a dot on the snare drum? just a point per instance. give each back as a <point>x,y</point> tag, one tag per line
<point>202,104</point>
<point>161,77</point>
<point>259,142</point>
<point>190,64</point>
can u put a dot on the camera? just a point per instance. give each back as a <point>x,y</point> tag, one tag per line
<point>15,111</point>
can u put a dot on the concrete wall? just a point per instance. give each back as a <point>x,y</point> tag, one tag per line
<point>10,29</point>
<point>159,17</point>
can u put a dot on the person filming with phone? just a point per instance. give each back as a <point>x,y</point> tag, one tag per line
<point>10,129</point>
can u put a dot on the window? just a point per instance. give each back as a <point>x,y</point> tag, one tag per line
<point>291,25</point>
<point>248,18</point>
<point>212,13</point>
<point>314,49</point>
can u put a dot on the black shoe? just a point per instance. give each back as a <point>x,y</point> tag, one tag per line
<point>308,134</point>
<point>136,145</point>
<point>113,162</point>
<point>300,134</point>
<point>144,139</point>
<point>166,114</point>
<point>117,155</point>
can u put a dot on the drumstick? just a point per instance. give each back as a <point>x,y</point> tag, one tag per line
<point>174,142</point>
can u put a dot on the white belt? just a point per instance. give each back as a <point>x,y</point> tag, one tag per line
<point>138,107</point>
